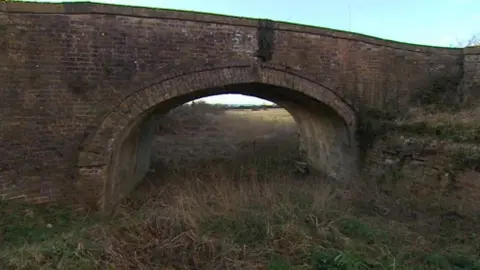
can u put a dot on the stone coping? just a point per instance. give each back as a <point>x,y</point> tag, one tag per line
<point>143,12</point>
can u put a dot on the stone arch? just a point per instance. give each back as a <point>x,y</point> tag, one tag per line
<point>327,124</point>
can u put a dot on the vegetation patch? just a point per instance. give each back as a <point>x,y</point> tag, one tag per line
<point>245,210</point>
<point>374,126</point>
<point>442,94</point>
<point>456,132</point>
<point>463,161</point>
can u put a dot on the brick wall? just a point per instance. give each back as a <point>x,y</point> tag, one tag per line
<point>65,67</point>
<point>470,86</point>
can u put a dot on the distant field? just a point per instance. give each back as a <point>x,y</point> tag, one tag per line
<point>226,135</point>
<point>276,114</point>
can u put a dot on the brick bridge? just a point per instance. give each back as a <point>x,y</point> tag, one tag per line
<point>80,82</point>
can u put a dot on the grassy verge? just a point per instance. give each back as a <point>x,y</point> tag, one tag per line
<point>248,209</point>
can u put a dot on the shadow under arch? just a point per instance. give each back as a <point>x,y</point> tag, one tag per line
<point>121,142</point>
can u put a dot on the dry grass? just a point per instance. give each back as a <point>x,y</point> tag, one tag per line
<point>469,116</point>
<point>461,126</point>
<point>224,196</point>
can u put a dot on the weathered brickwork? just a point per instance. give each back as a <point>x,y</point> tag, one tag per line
<point>78,78</point>
<point>470,86</point>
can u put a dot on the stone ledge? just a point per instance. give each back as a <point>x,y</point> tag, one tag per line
<point>95,8</point>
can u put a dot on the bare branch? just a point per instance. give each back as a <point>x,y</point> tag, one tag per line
<point>472,42</point>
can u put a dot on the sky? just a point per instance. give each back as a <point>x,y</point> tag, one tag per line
<point>427,22</point>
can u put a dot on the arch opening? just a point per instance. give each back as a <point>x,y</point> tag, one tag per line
<point>325,132</point>
<point>236,133</point>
